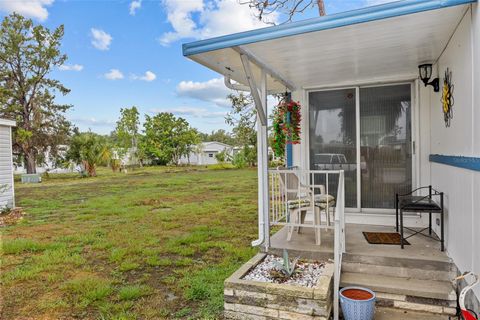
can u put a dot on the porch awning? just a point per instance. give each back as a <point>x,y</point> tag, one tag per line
<point>374,43</point>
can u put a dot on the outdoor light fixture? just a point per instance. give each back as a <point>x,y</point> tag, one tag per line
<point>425,71</point>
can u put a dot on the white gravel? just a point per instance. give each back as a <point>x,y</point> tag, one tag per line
<point>306,275</point>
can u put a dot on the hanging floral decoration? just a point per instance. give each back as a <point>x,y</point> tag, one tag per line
<point>286,126</point>
<point>447,98</point>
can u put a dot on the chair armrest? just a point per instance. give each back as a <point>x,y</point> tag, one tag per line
<point>310,189</point>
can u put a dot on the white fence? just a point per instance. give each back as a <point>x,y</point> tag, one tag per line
<point>320,192</point>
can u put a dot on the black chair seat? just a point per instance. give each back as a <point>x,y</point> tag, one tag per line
<point>418,203</point>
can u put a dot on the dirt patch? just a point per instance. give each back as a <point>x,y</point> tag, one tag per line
<point>157,202</point>
<point>161,209</point>
<point>11,217</point>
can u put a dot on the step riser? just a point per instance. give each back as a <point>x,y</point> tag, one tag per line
<point>402,314</point>
<point>427,295</point>
<point>402,272</point>
<point>415,304</point>
<point>399,262</point>
<point>426,289</point>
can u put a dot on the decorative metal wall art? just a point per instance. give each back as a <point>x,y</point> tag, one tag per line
<point>447,98</point>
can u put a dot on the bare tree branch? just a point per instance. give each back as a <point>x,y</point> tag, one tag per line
<point>290,8</point>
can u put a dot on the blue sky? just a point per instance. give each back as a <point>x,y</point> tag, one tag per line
<point>128,52</point>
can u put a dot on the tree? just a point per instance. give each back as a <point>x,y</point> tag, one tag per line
<point>264,8</point>
<point>222,156</point>
<point>126,132</point>
<point>243,118</point>
<point>219,135</point>
<point>88,150</point>
<point>168,138</point>
<point>28,53</point>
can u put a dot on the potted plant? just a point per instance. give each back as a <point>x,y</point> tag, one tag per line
<point>357,303</point>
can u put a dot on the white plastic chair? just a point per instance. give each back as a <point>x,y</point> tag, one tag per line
<point>298,198</point>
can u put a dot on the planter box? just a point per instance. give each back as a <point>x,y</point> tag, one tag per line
<point>256,300</point>
<point>31,178</point>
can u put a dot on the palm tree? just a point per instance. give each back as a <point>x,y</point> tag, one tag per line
<point>89,150</point>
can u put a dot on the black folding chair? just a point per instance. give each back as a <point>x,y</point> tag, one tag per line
<point>410,203</point>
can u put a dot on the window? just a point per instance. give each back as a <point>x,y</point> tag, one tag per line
<point>210,155</point>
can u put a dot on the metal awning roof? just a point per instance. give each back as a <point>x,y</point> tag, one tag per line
<point>377,42</point>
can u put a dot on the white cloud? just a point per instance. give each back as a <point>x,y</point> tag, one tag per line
<point>219,20</point>
<point>148,76</point>
<point>179,15</point>
<point>114,74</point>
<point>101,40</point>
<point>214,19</point>
<point>93,121</point>
<point>29,8</point>
<point>192,112</point>
<point>213,90</point>
<point>71,67</point>
<point>134,6</point>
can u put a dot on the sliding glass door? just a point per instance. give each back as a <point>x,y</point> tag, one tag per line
<point>376,156</point>
<point>333,142</point>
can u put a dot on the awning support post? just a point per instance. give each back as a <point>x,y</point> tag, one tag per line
<point>259,104</point>
<point>260,100</point>
<point>263,133</point>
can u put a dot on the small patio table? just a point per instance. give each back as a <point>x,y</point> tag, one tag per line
<point>411,203</point>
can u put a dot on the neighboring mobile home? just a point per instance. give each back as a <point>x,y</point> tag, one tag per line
<point>205,153</point>
<point>365,107</point>
<point>7,193</point>
<point>49,164</point>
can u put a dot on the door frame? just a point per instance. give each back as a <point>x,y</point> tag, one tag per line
<point>414,114</point>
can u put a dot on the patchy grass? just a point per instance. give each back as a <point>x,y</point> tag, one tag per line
<point>88,289</point>
<point>20,245</point>
<point>156,243</point>
<point>133,292</point>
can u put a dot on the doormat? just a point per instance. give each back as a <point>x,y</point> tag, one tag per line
<point>384,238</point>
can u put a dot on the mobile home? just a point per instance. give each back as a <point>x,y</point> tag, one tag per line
<point>390,102</point>
<point>7,193</point>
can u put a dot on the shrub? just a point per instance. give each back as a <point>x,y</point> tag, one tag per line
<point>239,160</point>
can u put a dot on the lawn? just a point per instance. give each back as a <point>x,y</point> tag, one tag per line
<point>156,243</point>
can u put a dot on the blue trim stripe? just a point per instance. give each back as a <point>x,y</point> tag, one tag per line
<point>384,11</point>
<point>471,163</point>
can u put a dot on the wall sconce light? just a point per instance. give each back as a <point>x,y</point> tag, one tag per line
<point>425,71</point>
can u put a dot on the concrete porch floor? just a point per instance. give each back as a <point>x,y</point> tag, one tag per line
<point>303,244</point>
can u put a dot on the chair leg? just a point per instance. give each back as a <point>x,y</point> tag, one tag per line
<point>302,215</point>
<point>430,223</point>
<point>291,227</point>
<point>329,221</point>
<point>442,227</point>
<point>401,228</point>
<point>317,221</point>
<point>396,210</point>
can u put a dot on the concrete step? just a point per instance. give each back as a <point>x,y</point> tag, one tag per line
<point>397,314</point>
<point>429,289</point>
<point>311,255</point>
<point>403,272</point>
<point>424,264</point>
<point>411,303</point>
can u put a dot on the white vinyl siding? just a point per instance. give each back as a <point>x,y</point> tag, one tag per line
<point>6,166</point>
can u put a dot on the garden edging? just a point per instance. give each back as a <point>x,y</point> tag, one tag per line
<point>246,299</point>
